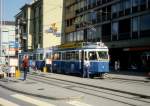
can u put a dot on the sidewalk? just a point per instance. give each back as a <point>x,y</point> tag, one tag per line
<point>38,89</point>
<point>130,75</point>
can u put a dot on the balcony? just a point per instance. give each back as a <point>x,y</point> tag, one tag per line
<point>70,15</point>
<point>69,2</point>
<point>70,29</point>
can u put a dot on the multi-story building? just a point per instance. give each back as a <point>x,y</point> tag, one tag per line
<point>123,25</point>
<point>40,24</point>
<point>23,35</point>
<point>8,44</point>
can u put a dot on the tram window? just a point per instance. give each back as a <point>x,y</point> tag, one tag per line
<point>72,55</point>
<point>77,55</point>
<point>41,56</point>
<point>68,55</point>
<point>34,57</point>
<point>30,57</point>
<point>57,56</point>
<point>48,55</point>
<point>63,56</point>
<point>92,55</point>
<point>103,54</point>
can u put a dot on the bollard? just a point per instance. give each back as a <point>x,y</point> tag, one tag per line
<point>45,69</point>
<point>17,74</point>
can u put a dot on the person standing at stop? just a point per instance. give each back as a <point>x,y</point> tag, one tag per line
<point>25,66</point>
<point>86,68</point>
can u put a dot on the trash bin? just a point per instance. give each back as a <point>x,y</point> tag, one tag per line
<point>45,69</point>
<point>17,73</point>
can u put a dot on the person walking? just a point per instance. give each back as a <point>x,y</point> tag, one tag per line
<point>86,68</point>
<point>25,66</point>
<point>117,65</point>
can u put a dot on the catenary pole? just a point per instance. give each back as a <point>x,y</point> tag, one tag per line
<point>1,10</point>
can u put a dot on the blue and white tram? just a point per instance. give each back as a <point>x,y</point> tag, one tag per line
<point>70,60</point>
<point>40,57</point>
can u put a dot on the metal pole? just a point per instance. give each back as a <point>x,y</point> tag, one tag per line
<point>18,27</point>
<point>1,27</point>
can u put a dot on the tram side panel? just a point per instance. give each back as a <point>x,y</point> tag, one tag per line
<point>99,67</point>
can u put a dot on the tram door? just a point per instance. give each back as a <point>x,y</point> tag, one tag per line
<point>83,56</point>
<point>82,60</point>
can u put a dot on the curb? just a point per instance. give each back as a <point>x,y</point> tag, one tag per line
<point>41,96</point>
<point>131,79</point>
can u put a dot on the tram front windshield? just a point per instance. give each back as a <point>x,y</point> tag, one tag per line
<point>98,55</point>
<point>103,54</point>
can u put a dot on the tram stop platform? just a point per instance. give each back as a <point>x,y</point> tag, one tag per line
<point>35,88</point>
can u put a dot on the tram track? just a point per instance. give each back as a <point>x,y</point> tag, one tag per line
<point>114,95</point>
<point>128,81</point>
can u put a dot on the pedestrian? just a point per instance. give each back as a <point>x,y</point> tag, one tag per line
<point>117,65</point>
<point>25,66</point>
<point>86,67</point>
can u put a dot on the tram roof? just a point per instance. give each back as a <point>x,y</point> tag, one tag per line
<point>81,45</point>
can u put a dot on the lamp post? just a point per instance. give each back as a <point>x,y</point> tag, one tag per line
<point>1,10</point>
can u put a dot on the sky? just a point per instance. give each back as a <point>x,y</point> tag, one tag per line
<point>11,8</point>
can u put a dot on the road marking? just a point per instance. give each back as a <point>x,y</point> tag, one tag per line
<point>4,102</point>
<point>31,100</point>
<point>78,103</point>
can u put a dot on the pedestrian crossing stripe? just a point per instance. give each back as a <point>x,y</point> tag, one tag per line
<point>4,102</point>
<point>78,103</point>
<point>31,100</point>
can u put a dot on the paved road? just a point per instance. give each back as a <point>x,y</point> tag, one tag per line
<point>61,85</point>
<point>97,96</point>
<point>9,98</point>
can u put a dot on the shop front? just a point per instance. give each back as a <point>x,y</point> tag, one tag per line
<point>137,59</point>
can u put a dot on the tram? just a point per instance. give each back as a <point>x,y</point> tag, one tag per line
<point>38,59</point>
<point>42,58</point>
<point>69,58</point>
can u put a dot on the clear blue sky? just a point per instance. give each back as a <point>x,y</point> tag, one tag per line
<point>11,8</point>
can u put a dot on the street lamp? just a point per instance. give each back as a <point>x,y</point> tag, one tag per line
<point>1,22</point>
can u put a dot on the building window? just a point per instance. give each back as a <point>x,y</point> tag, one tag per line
<point>127,4</point>
<point>114,31</point>
<point>106,32</point>
<point>115,28</point>
<point>135,27</point>
<point>115,9</point>
<point>93,17</point>
<point>124,29</point>
<point>98,34</point>
<point>135,24</point>
<point>89,35</point>
<point>145,23</point>
<point>135,3</point>
<point>142,5</point>
<point>80,35</point>
<point>74,36</point>
<point>93,34</point>
<point>145,26</point>
<point>149,4</point>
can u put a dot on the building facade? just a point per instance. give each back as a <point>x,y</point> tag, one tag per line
<point>23,35</point>
<point>39,24</point>
<point>123,25</point>
<point>8,43</point>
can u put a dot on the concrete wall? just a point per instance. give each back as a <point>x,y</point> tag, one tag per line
<point>52,13</point>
